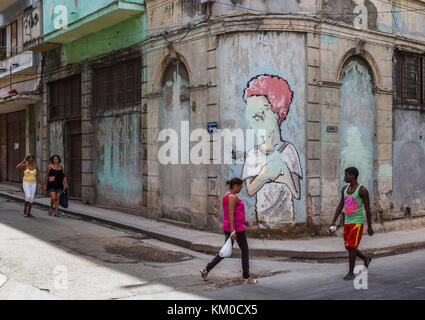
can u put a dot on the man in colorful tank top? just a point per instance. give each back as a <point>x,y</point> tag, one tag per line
<point>353,197</point>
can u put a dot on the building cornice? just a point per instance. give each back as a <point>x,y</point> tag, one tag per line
<point>259,23</point>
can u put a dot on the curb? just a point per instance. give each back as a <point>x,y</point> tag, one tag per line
<point>210,249</point>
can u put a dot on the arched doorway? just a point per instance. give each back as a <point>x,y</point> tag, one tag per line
<point>175,178</point>
<point>357,123</point>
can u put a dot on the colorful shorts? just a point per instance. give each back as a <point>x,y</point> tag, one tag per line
<point>353,234</point>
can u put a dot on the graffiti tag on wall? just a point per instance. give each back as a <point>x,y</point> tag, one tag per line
<point>272,169</point>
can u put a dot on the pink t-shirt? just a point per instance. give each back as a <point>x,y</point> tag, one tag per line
<point>239,214</point>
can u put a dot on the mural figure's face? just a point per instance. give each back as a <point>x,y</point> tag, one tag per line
<point>260,116</point>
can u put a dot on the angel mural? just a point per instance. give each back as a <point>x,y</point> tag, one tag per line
<point>272,169</point>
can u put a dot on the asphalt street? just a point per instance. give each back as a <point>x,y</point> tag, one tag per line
<point>67,258</point>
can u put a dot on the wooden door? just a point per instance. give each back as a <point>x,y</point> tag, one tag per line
<point>15,144</point>
<point>73,158</point>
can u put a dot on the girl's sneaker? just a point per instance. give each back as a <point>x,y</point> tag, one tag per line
<point>250,280</point>
<point>204,274</point>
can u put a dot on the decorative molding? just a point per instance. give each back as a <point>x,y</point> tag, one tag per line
<point>152,95</point>
<point>377,90</point>
<point>329,84</point>
<point>200,86</point>
<point>408,48</point>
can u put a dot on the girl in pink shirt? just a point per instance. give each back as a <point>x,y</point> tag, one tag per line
<point>234,220</point>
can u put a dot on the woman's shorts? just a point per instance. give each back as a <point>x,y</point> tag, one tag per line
<point>56,190</point>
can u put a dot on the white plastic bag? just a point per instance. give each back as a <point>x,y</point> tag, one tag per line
<point>226,251</point>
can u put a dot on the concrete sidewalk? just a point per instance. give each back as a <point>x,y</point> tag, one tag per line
<point>319,248</point>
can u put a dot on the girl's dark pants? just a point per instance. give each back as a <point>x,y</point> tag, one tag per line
<point>243,244</point>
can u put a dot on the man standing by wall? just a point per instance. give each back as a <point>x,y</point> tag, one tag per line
<point>353,197</point>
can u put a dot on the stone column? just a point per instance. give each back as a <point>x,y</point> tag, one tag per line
<point>88,137</point>
<point>199,172</point>
<point>384,151</point>
<point>213,222</point>
<point>152,188</point>
<point>313,128</point>
<point>329,149</point>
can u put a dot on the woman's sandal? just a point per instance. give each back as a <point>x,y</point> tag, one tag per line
<point>204,274</point>
<point>50,211</point>
<point>250,280</point>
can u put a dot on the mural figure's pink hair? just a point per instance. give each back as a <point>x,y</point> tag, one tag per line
<point>275,89</point>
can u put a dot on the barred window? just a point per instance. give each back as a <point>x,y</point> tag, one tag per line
<point>409,79</point>
<point>117,86</point>
<point>65,98</point>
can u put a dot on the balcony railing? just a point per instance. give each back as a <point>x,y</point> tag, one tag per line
<point>25,62</point>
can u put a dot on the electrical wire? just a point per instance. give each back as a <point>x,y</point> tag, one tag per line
<point>193,27</point>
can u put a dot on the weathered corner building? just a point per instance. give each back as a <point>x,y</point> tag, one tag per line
<point>356,73</point>
<point>334,84</point>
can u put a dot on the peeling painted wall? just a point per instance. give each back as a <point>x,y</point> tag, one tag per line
<point>118,162</point>
<point>175,178</point>
<point>57,140</point>
<point>272,6</point>
<point>360,13</point>
<point>119,36</point>
<point>162,14</point>
<point>398,17</point>
<point>242,57</point>
<point>356,130</point>
<point>409,21</point>
<point>409,159</point>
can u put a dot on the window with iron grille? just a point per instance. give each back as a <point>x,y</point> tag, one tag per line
<point>65,98</point>
<point>117,86</point>
<point>409,79</point>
